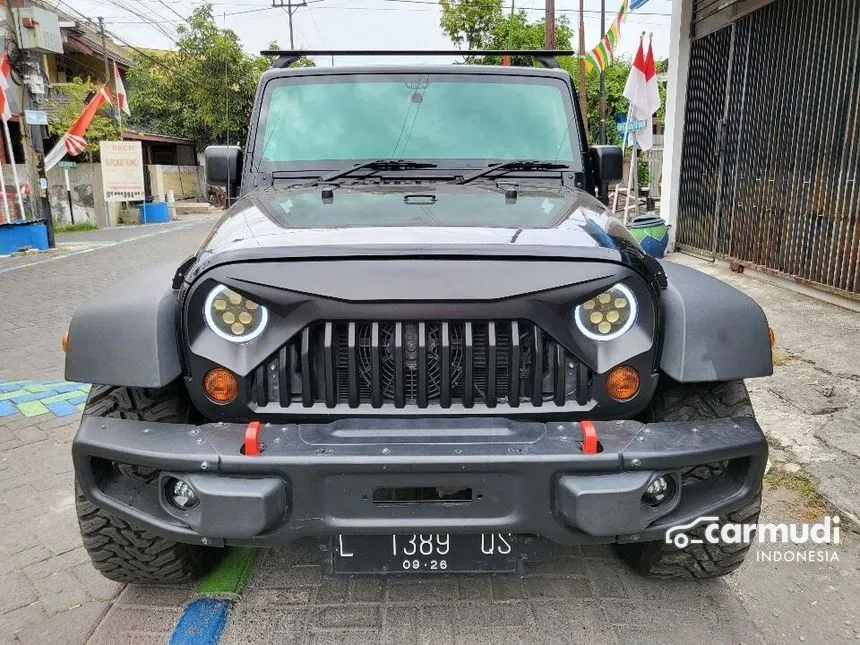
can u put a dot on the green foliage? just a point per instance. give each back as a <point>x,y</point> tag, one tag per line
<point>63,112</point>
<point>481,24</point>
<point>204,90</point>
<point>79,227</point>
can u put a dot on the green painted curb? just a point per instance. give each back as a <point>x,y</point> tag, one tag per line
<point>232,573</point>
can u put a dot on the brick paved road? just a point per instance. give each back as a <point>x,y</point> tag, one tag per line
<point>48,589</point>
<point>50,594</point>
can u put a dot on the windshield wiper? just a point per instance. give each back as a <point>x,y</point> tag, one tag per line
<point>375,164</point>
<point>508,166</point>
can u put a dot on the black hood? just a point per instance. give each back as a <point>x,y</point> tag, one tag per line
<point>415,219</point>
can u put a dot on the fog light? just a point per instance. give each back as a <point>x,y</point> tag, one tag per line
<point>659,491</point>
<point>181,495</point>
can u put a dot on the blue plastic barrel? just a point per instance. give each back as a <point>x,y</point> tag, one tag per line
<point>20,235</point>
<point>154,213</point>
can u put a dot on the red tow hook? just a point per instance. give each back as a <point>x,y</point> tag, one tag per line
<point>589,437</point>
<point>252,439</point>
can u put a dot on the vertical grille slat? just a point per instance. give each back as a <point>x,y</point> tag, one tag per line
<point>560,375</point>
<point>328,365</point>
<point>375,376</point>
<point>514,395</point>
<point>491,364</point>
<point>468,366</point>
<point>285,372</point>
<point>399,378</point>
<point>307,392</point>
<point>445,367</point>
<point>581,383</point>
<point>537,385</point>
<point>260,386</point>
<point>352,364</point>
<point>421,364</point>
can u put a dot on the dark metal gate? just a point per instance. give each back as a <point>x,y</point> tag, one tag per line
<point>771,162</point>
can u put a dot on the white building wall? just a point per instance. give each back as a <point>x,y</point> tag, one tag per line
<point>676,101</point>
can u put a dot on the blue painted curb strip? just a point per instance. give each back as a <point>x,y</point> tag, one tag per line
<point>201,623</point>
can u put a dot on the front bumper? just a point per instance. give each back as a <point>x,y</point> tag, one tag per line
<point>337,478</point>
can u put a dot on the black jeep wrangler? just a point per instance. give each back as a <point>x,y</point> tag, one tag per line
<point>418,338</point>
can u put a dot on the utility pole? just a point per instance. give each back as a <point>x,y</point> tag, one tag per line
<point>31,139</point>
<point>602,135</point>
<point>583,103</point>
<point>107,67</point>
<point>290,7</point>
<point>549,25</point>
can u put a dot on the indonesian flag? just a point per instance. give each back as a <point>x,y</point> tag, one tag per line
<point>641,90</point>
<point>5,71</point>
<point>73,142</point>
<point>121,96</point>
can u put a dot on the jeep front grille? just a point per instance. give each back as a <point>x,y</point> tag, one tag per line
<point>420,364</point>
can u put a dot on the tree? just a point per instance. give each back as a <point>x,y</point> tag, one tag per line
<point>63,112</point>
<point>481,24</point>
<point>204,90</point>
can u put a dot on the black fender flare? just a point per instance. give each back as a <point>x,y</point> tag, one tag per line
<point>127,334</point>
<point>712,331</point>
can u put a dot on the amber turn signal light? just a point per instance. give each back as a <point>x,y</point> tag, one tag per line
<point>221,385</point>
<point>65,341</point>
<point>622,383</point>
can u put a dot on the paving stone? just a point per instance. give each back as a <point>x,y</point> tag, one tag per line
<point>23,558</point>
<point>16,591</point>
<point>422,590</point>
<point>120,622</point>
<point>508,588</point>
<point>366,590</point>
<point>95,584</point>
<point>72,627</point>
<point>59,592</point>
<point>351,616</point>
<point>493,614</point>
<point>344,637</point>
<point>474,588</point>
<point>17,619</point>
<point>161,596</point>
<point>545,587</point>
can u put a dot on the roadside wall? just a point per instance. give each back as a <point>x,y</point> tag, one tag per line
<point>85,181</point>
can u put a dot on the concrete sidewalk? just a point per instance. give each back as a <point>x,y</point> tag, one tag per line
<point>810,407</point>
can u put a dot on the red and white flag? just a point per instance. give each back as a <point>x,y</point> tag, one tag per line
<point>73,142</point>
<point>5,100</point>
<point>121,96</point>
<point>641,90</point>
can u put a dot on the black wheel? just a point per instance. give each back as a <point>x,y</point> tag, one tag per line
<point>122,551</point>
<point>688,402</point>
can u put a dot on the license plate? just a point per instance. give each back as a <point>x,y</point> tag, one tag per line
<point>425,553</point>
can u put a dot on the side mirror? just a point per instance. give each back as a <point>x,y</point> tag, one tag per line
<point>224,167</point>
<point>607,163</point>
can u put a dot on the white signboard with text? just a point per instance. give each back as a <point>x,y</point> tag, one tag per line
<point>122,171</point>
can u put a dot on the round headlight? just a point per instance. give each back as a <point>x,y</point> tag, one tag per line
<point>234,317</point>
<point>607,315</point>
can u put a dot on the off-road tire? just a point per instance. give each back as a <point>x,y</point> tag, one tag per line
<point>118,549</point>
<point>675,401</point>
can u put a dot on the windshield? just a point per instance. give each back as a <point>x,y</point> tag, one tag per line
<point>416,116</point>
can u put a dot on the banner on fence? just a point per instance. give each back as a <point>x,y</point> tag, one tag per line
<point>122,171</point>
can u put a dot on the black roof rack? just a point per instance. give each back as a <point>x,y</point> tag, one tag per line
<point>547,57</point>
